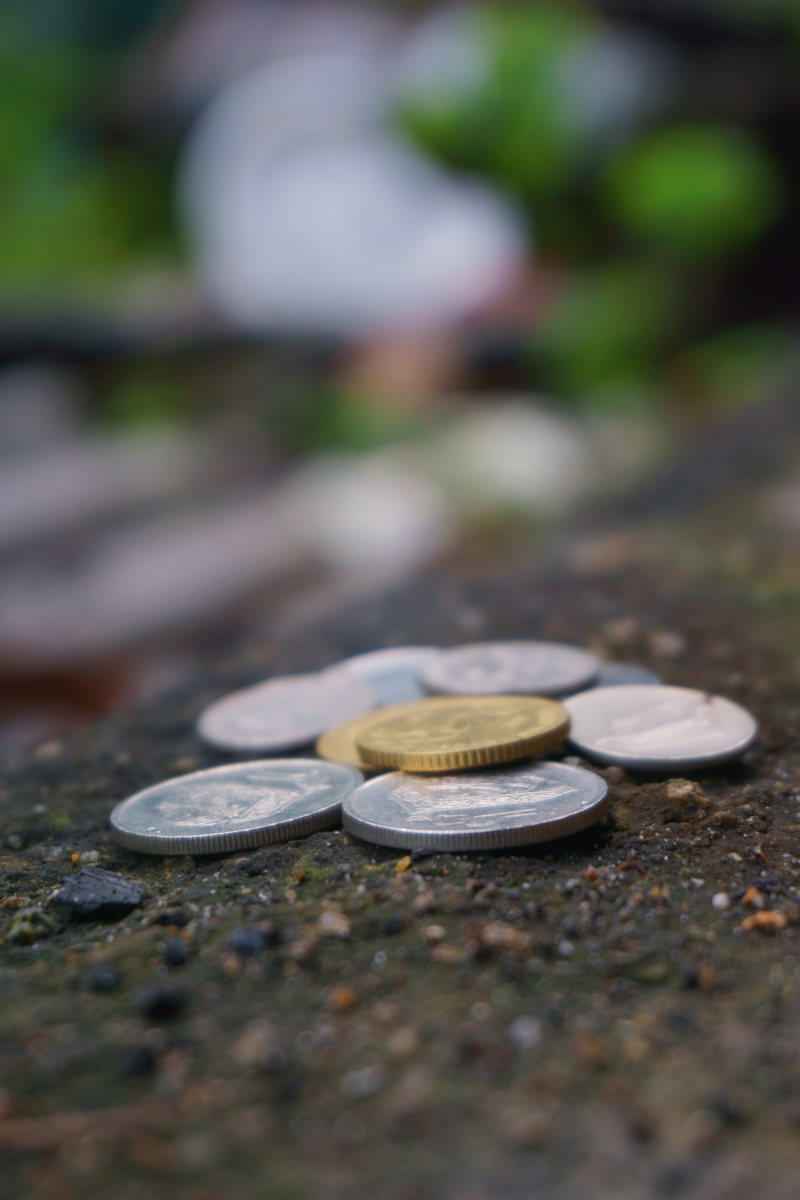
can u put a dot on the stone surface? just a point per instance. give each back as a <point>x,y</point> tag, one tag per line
<point>97,895</point>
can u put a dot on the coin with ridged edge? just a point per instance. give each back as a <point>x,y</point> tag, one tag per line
<point>285,713</point>
<point>235,807</point>
<point>339,744</point>
<point>477,810</point>
<point>510,668</point>
<point>658,727</point>
<point>449,733</point>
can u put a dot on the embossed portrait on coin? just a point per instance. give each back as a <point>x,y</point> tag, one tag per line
<point>238,801</point>
<point>466,803</point>
<point>662,725</point>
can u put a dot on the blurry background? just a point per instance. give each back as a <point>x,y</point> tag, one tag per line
<point>298,298</point>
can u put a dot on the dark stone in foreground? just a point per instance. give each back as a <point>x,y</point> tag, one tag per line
<point>97,895</point>
<point>160,1003</point>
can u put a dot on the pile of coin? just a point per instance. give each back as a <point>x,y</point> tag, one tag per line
<point>456,741</point>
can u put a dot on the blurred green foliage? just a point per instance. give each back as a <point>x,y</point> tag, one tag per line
<point>694,191</point>
<point>75,206</point>
<point>609,324</point>
<point>629,217</point>
<point>512,125</point>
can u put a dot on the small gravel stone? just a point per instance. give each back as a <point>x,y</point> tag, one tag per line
<point>176,952</point>
<point>98,895</point>
<point>103,977</point>
<point>172,916</point>
<point>341,999</point>
<point>764,922</point>
<point>258,1046</point>
<point>136,1062</point>
<point>364,1082</point>
<point>720,901</point>
<point>334,923</point>
<point>525,1033</point>
<point>160,1003</point>
<point>249,940</point>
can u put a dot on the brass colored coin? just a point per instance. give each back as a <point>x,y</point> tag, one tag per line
<point>339,743</point>
<point>448,733</point>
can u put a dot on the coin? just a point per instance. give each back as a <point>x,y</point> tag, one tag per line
<point>393,672</point>
<point>656,727</point>
<point>284,713</point>
<point>447,733</point>
<point>478,810</point>
<point>614,674</point>
<point>339,744</point>
<point>234,807</point>
<point>505,668</point>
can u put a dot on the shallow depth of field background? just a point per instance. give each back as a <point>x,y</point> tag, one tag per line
<point>298,298</point>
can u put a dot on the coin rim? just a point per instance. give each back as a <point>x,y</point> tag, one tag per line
<point>580,681</point>
<point>399,838</point>
<point>493,754</point>
<point>683,762</point>
<point>242,839</point>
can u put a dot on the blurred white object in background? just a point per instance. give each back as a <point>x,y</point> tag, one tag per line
<point>307,217</point>
<point>443,57</point>
<point>515,455</point>
<point>374,517</point>
<point>613,84</point>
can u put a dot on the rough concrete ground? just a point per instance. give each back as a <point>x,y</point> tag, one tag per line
<point>615,1015</point>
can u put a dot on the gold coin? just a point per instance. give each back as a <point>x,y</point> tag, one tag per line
<point>339,744</point>
<point>448,733</point>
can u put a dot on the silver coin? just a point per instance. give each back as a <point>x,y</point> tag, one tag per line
<point>476,810</point>
<point>507,668</point>
<point>657,727</point>
<point>235,807</point>
<point>614,674</point>
<point>392,673</point>
<point>283,714</point>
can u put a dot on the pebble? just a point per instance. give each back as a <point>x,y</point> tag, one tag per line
<point>720,901</point>
<point>334,923</point>
<point>98,895</point>
<point>764,922</point>
<point>341,999</point>
<point>176,952</point>
<point>685,790</point>
<point>246,941</point>
<point>755,898</point>
<point>103,977</point>
<point>136,1062</point>
<point>403,1044</point>
<point>364,1082</point>
<point>258,1046</point>
<point>393,925</point>
<point>160,1003</point>
<point>172,916</point>
<point>663,643</point>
